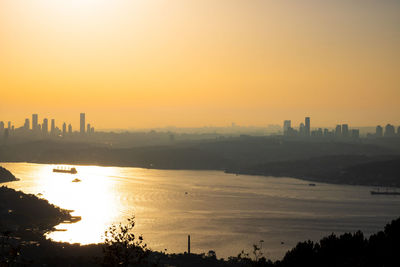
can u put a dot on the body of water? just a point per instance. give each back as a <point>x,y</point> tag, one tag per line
<point>222,212</point>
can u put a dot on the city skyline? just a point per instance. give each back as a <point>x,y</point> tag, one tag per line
<point>304,129</point>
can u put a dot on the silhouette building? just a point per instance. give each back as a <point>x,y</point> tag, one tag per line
<point>379,131</point>
<point>45,126</point>
<point>1,126</point>
<point>355,133</point>
<point>307,126</point>
<point>88,128</point>
<point>338,130</point>
<point>34,122</point>
<point>389,130</point>
<point>69,129</point>
<point>302,129</point>
<point>345,130</point>
<point>26,124</point>
<point>64,129</point>
<point>53,126</point>
<point>287,124</point>
<point>82,123</point>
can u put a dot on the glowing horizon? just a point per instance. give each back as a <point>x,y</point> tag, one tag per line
<point>155,63</point>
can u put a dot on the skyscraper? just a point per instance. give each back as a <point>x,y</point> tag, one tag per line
<point>1,126</point>
<point>302,129</point>
<point>64,129</point>
<point>345,130</point>
<point>53,126</point>
<point>26,124</point>
<point>307,127</point>
<point>34,122</point>
<point>287,124</point>
<point>379,131</point>
<point>45,126</point>
<point>69,129</point>
<point>88,128</point>
<point>82,120</point>
<point>338,130</point>
<point>389,130</point>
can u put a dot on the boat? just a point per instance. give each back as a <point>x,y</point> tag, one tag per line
<point>311,184</point>
<point>71,171</point>
<point>76,180</point>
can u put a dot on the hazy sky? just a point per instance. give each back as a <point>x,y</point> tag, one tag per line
<point>147,63</point>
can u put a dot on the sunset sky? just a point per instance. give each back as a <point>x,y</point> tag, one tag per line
<point>153,63</point>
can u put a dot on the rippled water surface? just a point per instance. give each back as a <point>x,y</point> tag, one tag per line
<point>222,212</point>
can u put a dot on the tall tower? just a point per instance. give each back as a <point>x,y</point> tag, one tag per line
<point>82,128</point>
<point>64,129</point>
<point>307,126</point>
<point>34,122</point>
<point>53,126</point>
<point>45,126</point>
<point>287,124</point>
<point>26,124</point>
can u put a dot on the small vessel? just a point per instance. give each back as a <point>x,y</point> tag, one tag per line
<point>76,180</point>
<point>71,171</point>
<point>387,192</point>
<point>311,184</point>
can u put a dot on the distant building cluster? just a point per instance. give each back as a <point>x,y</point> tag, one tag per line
<point>43,129</point>
<point>340,131</point>
<point>388,131</point>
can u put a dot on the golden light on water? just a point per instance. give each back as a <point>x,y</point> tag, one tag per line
<point>91,197</point>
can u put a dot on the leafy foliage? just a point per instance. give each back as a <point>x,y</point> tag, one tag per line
<point>122,247</point>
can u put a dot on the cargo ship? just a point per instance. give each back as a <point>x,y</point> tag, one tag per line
<point>70,171</point>
<point>384,192</point>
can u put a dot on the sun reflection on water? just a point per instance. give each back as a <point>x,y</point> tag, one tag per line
<point>90,198</point>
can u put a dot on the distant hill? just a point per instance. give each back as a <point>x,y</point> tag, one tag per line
<point>319,160</point>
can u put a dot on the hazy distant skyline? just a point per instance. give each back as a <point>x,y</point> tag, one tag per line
<point>148,63</point>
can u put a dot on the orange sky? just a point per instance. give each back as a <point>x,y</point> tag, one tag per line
<point>150,63</point>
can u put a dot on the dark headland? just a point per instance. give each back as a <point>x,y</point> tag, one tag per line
<point>6,176</point>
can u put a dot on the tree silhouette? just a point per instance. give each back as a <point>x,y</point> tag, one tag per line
<point>122,247</point>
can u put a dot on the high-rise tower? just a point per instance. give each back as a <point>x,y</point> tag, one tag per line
<point>307,126</point>
<point>34,122</point>
<point>82,120</point>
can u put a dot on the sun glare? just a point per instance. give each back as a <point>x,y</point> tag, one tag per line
<point>92,196</point>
